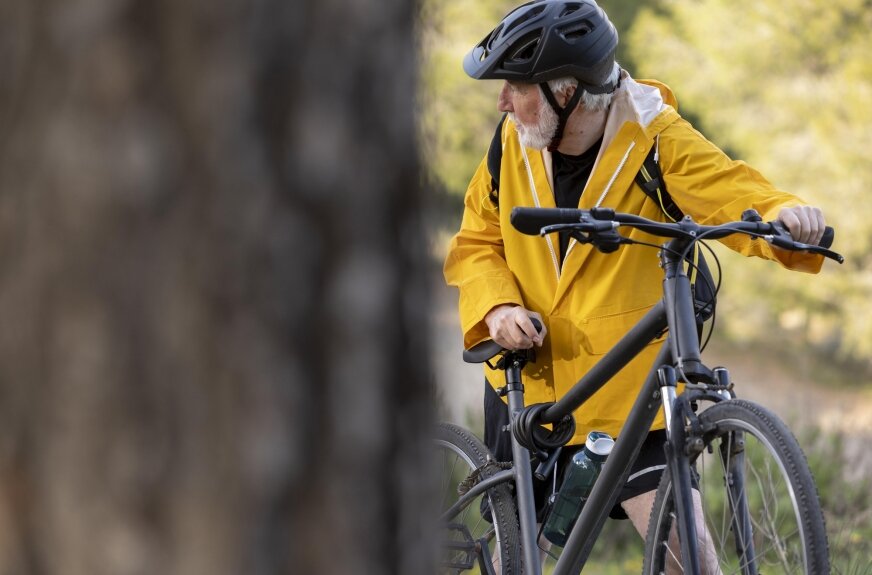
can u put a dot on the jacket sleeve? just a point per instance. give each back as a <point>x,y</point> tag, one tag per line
<point>476,261</point>
<point>705,183</point>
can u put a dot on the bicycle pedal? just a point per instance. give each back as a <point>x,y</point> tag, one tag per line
<point>461,554</point>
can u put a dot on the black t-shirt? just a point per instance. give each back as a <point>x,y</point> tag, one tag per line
<point>570,176</point>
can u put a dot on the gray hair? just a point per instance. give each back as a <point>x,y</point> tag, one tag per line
<point>592,102</point>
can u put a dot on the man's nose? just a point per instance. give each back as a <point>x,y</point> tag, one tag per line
<point>504,102</point>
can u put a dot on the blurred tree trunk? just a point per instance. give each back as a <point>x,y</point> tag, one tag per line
<point>209,294</point>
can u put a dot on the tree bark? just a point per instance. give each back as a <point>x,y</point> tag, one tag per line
<point>213,353</point>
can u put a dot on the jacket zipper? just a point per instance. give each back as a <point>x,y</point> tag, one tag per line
<point>572,243</point>
<point>608,187</point>
<point>554,259</point>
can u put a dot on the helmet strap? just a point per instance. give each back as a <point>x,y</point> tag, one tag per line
<point>562,113</point>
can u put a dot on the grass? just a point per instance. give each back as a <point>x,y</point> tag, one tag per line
<point>846,502</point>
<point>618,550</point>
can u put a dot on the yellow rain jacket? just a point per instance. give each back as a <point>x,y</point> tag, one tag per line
<point>590,302</point>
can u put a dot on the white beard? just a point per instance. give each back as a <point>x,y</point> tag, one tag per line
<point>540,135</point>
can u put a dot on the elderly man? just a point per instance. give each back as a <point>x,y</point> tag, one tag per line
<point>576,131</point>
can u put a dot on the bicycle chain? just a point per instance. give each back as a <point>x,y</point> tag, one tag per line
<point>480,473</point>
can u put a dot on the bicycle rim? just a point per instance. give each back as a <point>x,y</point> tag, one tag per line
<point>495,521</point>
<point>760,506</point>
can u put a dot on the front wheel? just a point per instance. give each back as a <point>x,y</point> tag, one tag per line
<point>757,497</point>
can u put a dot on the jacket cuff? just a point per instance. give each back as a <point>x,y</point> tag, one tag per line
<point>478,296</point>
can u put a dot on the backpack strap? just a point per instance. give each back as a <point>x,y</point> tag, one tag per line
<point>650,179</point>
<point>494,159</point>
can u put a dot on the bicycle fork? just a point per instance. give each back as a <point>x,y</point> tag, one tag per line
<point>732,453</point>
<point>680,469</point>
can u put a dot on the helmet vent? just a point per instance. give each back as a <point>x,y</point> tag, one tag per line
<point>569,9</point>
<point>525,48</point>
<point>494,36</point>
<point>577,30</point>
<point>525,17</point>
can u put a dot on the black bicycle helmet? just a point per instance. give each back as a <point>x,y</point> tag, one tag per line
<point>547,39</point>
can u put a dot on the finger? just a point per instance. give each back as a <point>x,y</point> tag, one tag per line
<point>819,225</point>
<point>802,232</point>
<point>527,327</point>
<point>515,329</point>
<point>507,333</point>
<point>810,227</point>
<point>539,338</point>
<point>789,219</point>
<point>794,221</point>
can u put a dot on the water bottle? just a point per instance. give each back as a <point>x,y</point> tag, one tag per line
<point>581,473</point>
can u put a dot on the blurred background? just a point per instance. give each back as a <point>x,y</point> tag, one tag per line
<point>211,354</point>
<point>784,86</point>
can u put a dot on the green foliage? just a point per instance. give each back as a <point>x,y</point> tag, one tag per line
<point>458,114</point>
<point>785,86</point>
<point>846,498</point>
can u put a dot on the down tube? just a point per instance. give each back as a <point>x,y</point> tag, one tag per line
<point>614,473</point>
<point>637,339</point>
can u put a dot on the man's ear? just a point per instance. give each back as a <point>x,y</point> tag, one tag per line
<point>564,95</point>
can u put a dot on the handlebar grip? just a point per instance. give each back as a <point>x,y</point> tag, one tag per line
<point>530,220</point>
<point>826,240</point>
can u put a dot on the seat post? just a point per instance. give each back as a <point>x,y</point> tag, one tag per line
<point>515,362</point>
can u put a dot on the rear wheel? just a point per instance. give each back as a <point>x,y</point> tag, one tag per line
<point>495,522</point>
<point>758,499</point>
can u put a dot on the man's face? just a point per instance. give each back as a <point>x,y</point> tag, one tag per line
<point>536,122</point>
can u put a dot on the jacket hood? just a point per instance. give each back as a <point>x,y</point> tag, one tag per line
<point>649,104</point>
<point>643,102</point>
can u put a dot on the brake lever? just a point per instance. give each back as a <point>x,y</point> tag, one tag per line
<point>781,238</point>
<point>827,253</point>
<point>602,234</point>
<point>788,244</point>
<point>562,228</point>
<point>585,226</point>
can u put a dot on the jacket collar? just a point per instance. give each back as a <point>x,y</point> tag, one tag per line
<point>638,102</point>
<point>638,112</point>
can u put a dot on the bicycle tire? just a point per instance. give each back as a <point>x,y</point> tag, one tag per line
<point>463,452</point>
<point>775,475</point>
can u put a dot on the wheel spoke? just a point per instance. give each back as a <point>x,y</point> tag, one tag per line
<point>460,453</point>
<point>758,513</point>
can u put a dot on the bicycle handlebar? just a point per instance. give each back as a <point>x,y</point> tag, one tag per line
<point>600,225</point>
<point>540,221</point>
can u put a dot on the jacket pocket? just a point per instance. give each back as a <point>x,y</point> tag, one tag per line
<point>601,333</point>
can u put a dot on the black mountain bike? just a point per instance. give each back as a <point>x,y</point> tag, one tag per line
<point>760,504</point>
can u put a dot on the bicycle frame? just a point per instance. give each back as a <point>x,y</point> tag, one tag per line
<point>681,351</point>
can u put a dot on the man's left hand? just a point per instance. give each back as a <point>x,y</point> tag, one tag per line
<point>805,223</point>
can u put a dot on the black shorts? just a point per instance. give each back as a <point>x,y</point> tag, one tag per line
<point>644,475</point>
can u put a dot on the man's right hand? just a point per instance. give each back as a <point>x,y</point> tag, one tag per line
<point>510,326</point>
